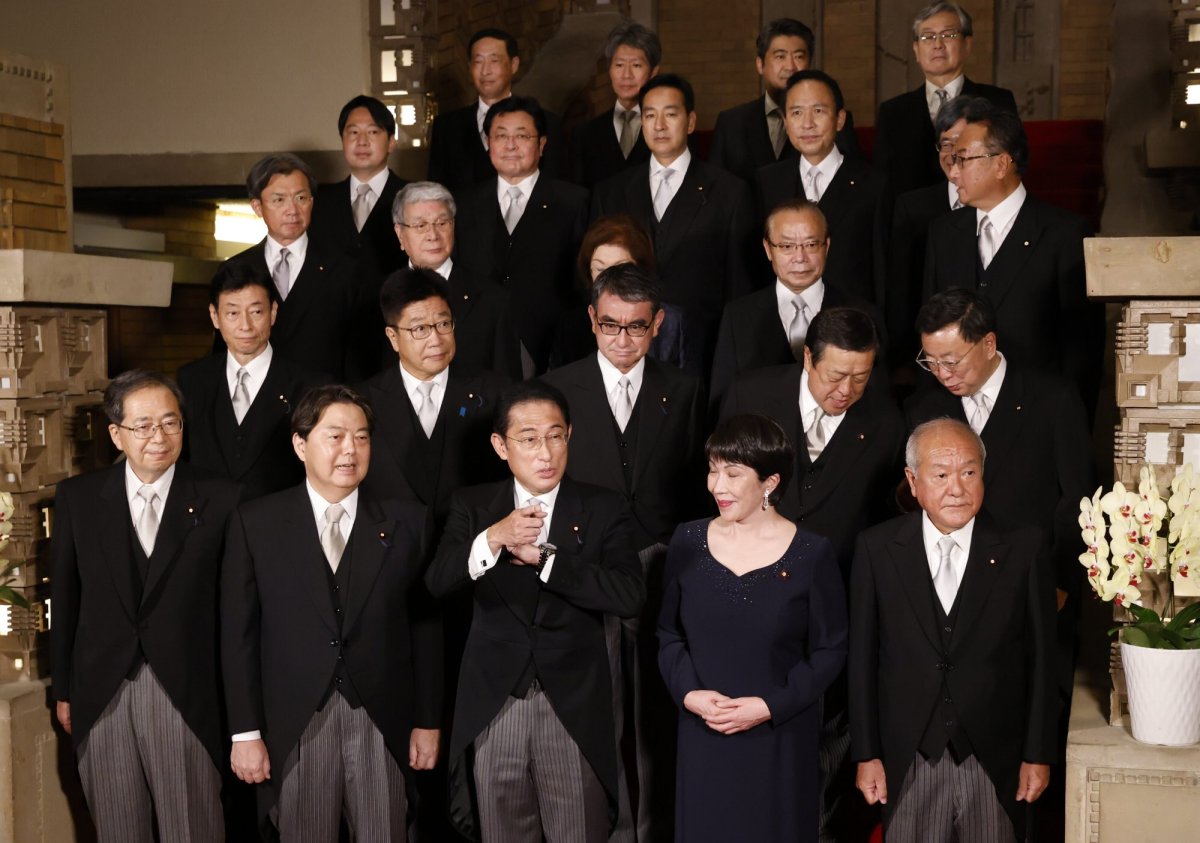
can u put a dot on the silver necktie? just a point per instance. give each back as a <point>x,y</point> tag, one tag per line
<point>544,535</point>
<point>622,404</point>
<point>980,410</point>
<point>332,540</point>
<point>282,274</point>
<point>147,523</point>
<point>361,207</point>
<point>987,241</point>
<point>427,412</point>
<point>513,215</point>
<point>815,438</point>
<point>798,327</point>
<point>813,185</point>
<point>942,96</point>
<point>629,131</point>
<point>775,130</point>
<point>662,196</point>
<point>944,581</point>
<point>241,396</point>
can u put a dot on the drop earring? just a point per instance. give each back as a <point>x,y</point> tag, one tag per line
<point>766,499</point>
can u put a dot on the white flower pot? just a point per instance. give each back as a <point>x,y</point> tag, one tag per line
<point>1164,694</point>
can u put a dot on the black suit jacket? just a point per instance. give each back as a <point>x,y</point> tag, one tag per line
<point>536,262</point>
<point>258,453</point>
<point>998,666</point>
<point>596,152</point>
<point>458,159</point>
<point>282,641</point>
<point>752,335</point>
<point>559,624</point>
<point>851,485</point>
<point>912,214</point>
<point>851,204</point>
<point>404,463</point>
<point>904,139</point>
<point>668,469</point>
<point>1039,461</point>
<point>485,336</point>
<point>1035,282</point>
<point>741,141</point>
<point>105,614</point>
<point>376,249</point>
<point>319,324</point>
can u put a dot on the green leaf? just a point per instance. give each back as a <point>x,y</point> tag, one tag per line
<point>1192,645</point>
<point>12,597</point>
<point>1142,614</point>
<point>1188,616</point>
<point>1170,640</point>
<point>1136,637</point>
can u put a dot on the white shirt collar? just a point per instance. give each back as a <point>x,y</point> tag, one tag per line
<point>444,270</point>
<point>256,369</point>
<point>619,109</point>
<point>991,387</point>
<point>319,505</point>
<point>1003,214</point>
<point>828,167</point>
<point>297,249</point>
<point>526,185</point>
<point>521,497</point>
<point>376,182</point>
<point>958,556</point>
<point>679,166</point>
<point>610,374</point>
<point>411,383</point>
<point>161,486</point>
<point>952,88</point>
<point>813,296</point>
<point>952,192</point>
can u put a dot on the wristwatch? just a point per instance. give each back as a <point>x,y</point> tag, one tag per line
<point>545,551</point>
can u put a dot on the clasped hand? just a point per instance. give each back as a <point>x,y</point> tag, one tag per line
<point>518,532</point>
<point>727,715</point>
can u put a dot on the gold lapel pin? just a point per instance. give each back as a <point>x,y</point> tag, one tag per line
<point>1018,408</point>
<point>861,437</point>
<point>852,183</point>
<point>191,510</point>
<point>465,297</point>
<point>544,207</point>
<point>1026,242</point>
<point>383,535</point>
<point>991,561</point>
<point>470,394</point>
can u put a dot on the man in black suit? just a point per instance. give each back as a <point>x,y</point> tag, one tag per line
<point>332,670</point>
<point>768,327</point>
<point>638,431</point>
<point>752,135</point>
<point>522,229</point>
<point>951,727</point>
<point>239,402</point>
<point>1022,255</point>
<point>612,141</point>
<point>699,216</point>
<point>847,189</point>
<point>546,558</point>
<point>458,140</point>
<point>320,290</point>
<point>905,149</point>
<point>137,555</point>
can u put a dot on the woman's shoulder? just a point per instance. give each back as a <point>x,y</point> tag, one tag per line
<point>690,531</point>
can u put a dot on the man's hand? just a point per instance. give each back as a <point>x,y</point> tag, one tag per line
<point>62,710</point>
<point>250,762</point>
<point>519,527</point>
<point>524,554</point>
<point>423,748</point>
<point>738,715</point>
<point>1032,781</point>
<point>703,703</point>
<point>872,781</point>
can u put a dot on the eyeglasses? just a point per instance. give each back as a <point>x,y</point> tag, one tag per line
<point>948,366</point>
<point>944,146</point>
<point>501,138</point>
<point>146,430</point>
<point>300,200</point>
<point>439,225</point>
<point>553,441</point>
<point>809,247</point>
<point>959,160</point>
<point>634,329</point>
<point>420,332</point>
<point>948,35</point>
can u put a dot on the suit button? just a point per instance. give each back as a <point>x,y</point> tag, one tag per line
<point>807,486</point>
<point>333,643</point>
<point>801,517</point>
<point>946,700</point>
<point>339,680</point>
<point>533,626</point>
<point>339,611</point>
<point>342,660</point>
<point>336,589</point>
<point>949,629</point>
<point>949,723</point>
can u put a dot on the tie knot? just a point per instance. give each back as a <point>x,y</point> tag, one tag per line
<point>334,513</point>
<point>667,173</point>
<point>628,116</point>
<point>623,383</point>
<point>945,545</point>
<point>147,493</point>
<point>514,193</point>
<point>364,191</point>
<point>981,400</point>
<point>985,223</point>
<point>426,388</point>
<point>538,502</point>
<point>241,375</point>
<point>815,418</point>
<point>941,94</point>
<point>283,254</point>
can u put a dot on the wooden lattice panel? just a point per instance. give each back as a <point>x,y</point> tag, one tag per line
<point>31,356</point>
<point>33,452</point>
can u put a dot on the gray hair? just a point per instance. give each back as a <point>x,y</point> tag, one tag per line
<point>633,34</point>
<point>421,191</point>
<point>911,448</point>
<point>964,18</point>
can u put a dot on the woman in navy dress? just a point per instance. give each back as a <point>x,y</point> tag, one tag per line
<point>752,632</point>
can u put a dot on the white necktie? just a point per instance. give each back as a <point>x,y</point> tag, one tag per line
<point>662,196</point>
<point>944,581</point>
<point>516,199</point>
<point>798,327</point>
<point>282,274</point>
<point>147,523</point>
<point>361,206</point>
<point>775,129</point>
<point>815,438</point>
<point>980,410</point>
<point>427,412</point>
<point>544,535</point>
<point>813,184</point>
<point>629,131</point>
<point>987,241</point>
<point>332,540</point>
<point>622,402</point>
<point>241,396</point>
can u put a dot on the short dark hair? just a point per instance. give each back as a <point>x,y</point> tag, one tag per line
<point>527,392</point>
<point>783,26</point>
<point>233,276</point>
<point>1005,131</point>
<point>127,383</point>
<point>798,203</point>
<point>966,309</point>
<point>964,18</point>
<point>949,114</point>
<point>508,105</point>
<point>317,400</point>
<point>670,80</point>
<point>510,43</point>
<point>628,282</point>
<point>758,443</point>
<point>847,328</point>
<point>614,230</point>
<point>277,164</point>
<point>630,33</point>
<point>383,118</point>
<point>408,285</point>
<point>812,75</point>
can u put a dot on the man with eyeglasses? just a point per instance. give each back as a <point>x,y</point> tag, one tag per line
<point>638,430</point>
<point>545,558</point>
<point>321,292</point>
<point>768,327</point>
<point>904,137</point>
<point>137,557</point>
<point>524,227</point>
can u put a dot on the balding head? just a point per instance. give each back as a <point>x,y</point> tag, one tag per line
<point>944,466</point>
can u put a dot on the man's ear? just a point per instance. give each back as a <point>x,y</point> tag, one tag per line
<point>500,446</point>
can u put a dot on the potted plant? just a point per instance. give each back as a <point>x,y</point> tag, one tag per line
<point>8,594</point>
<point>1130,535</point>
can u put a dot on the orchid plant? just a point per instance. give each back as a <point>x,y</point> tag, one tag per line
<point>7,593</point>
<point>1123,533</point>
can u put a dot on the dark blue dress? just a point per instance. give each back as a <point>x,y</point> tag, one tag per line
<point>778,633</point>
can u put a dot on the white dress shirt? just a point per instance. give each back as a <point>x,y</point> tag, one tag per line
<point>1002,215</point>
<point>809,408</point>
<point>412,387</point>
<point>376,182</point>
<point>952,88</point>
<point>619,119</point>
<point>483,560</point>
<point>814,297</point>
<point>256,372</point>
<point>679,169</point>
<point>526,185</point>
<point>990,388</point>
<point>952,192</point>
<point>610,374</point>
<point>828,167</point>
<point>137,503</point>
<point>297,250</point>
<point>958,554</point>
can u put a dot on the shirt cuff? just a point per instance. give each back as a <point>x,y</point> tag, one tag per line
<point>544,576</point>
<point>481,559</point>
<point>256,735</point>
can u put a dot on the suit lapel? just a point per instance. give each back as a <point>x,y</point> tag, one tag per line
<point>1005,269</point>
<point>464,290</point>
<point>300,543</point>
<point>568,527</point>
<point>911,566</point>
<point>763,329</point>
<point>1006,418</point>
<point>393,413</point>
<point>517,585</point>
<point>692,195</point>
<point>595,423</point>
<point>261,419</point>
<point>370,540</point>
<point>854,436</point>
<point>182,510</point>
<point>654,405</point>
<point>638,200</point>
<point>539,207</point>
<point>985,562</point>
<point>115,522</point>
